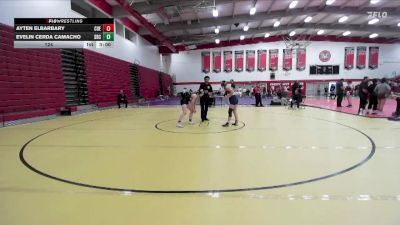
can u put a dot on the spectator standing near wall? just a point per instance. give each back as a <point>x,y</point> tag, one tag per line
<point>294,87</point>
<point>326,91</point>
<point>363,94</point>
<point>332,93</point>
<point>349,93</point>
<point>382,91</point>
<point>373,99</point>
<point>339,92</point>
<point>257,94</point>
<point>396,114</point>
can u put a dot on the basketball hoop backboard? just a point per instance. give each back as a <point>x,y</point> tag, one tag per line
<point>297,42</point>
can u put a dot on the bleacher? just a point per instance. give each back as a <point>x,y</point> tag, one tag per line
<point>106,76</point>
<point>31,82</point>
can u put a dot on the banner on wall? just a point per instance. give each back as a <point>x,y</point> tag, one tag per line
<point>250,60</point>
<point>217,62</point>
<point>205,62</point>
<point>228,61</point>
<point>239,61</point>
<point>273,59</point>
<point>361,57</point>
<point>349,58</point>
<point>301,59</point>
<point>287,59</point>
<point>373,57</point>
<point>262,60</point>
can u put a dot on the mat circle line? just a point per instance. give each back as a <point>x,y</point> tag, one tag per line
<point>357,165</point>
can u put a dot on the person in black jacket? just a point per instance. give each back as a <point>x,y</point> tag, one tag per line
<point>296,98</point>
<point>205,91</point>
<point>294,87</point>
<point>363,94</point>
<point>332,94</point>
<point>339,92</point>
<point>397,112</point>
<point>373,98</point>
<point>326,92</point>
<point>122,99</point>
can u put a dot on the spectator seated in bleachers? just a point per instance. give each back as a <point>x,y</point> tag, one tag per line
<point>122,99</point>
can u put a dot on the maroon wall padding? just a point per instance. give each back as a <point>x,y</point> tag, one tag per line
<point>106,76</point>
<point>30,79</point>
<point>149,82</point>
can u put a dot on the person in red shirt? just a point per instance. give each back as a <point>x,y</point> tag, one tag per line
<point>257,94</point>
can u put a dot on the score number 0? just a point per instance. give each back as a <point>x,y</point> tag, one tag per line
<point>108,32</point>
<point>108,27</point>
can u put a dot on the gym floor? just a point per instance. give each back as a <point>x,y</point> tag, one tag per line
<point>134,166</point>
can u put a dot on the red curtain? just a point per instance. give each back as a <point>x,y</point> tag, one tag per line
<point>373,57</point>
<point>273,59</point>
<point>228,61</point>
<point>301,59</point>
<point>349,58</point>
<point>262,60</point>
<point>205,62</point>
<point>239,61</point>
<point>361,57</point>
<point>287,59</point>
<point>251,60</point>
<point>217,62</point>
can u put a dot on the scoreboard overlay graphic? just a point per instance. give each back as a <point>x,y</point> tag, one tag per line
<point>64,32</point>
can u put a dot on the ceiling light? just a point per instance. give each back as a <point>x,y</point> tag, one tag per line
<point>292,33</point>
<point>293,4</point>
<point>215,12</point>
<point>267,35</point>
<point>191,47</point>
<point>346,33</point>
<point>241,37</point>
<point>343,19</point>
<point>216,41</point>
<point>374,1</point>
<point>277,23</point>
<point>246,28</point>
<point>308,19</point>
<point>330,2</point>
<point>373,21</point>
<point>398,24</point>
<point>253,10</point>
<point>320,32</point>
<point>374,35</point>
<point>216,30</point>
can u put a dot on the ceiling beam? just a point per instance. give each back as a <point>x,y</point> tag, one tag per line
<point>245,18</point>
<point>233,16</point>
<point>263,30</point>
<point>164,41</point>
<point>144,8</point>
<point>307,5</point>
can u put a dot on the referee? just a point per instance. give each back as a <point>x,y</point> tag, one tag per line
<point>205,91</point>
